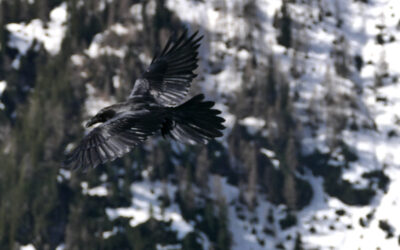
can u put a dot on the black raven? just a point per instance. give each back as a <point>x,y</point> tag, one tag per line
<point>154,105</point>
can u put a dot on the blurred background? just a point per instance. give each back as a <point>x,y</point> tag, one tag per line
<point>309,160</point>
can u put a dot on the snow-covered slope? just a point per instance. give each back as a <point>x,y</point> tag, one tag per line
<point>343,61</point>
<point>361,25</point>
<point>327,222</point>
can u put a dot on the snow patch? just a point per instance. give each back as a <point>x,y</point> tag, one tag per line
<point>3,85</point>
<point>116,80</point>
<point>96,49</point>
<point>272,157</point>
<point>98,191</point>
<point>169,247</point>
<point>51,35</point>
<point>61,247</point>
<point>253,124</point>
<point>28,247</point>
<point>119,29</point>
<point>145,204</point>
<point>77,60</point>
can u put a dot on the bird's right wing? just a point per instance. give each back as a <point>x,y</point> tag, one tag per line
<point>170,74</point>
<point>113,139</point>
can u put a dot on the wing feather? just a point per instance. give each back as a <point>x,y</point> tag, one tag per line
<point>113,139</point>
<point>169,76</point>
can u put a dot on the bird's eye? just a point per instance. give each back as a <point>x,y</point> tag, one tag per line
<point>107,114</point>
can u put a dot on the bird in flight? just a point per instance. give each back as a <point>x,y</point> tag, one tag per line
<point>155,105</point>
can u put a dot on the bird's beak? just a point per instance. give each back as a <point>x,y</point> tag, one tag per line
<point>92,121</point>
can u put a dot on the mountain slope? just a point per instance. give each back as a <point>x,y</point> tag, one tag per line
<point>308,160</point>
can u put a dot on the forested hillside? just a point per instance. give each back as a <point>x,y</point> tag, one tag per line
<point>309,159</point>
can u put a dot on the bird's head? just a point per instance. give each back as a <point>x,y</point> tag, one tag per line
<point>102,116</point>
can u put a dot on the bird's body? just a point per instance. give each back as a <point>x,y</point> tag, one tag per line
<point>154,106</point>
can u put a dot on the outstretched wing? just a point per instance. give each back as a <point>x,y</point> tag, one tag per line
<point>170,74</point>
<point>113,139</point>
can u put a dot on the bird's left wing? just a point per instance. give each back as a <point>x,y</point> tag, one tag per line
<point>113,139</point>
<point>170,73</point>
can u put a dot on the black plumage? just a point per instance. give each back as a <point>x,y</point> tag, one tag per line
<point>170,74</point>
<point>153,106</point>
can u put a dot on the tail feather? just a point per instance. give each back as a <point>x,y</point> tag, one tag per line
<point>194,121</point>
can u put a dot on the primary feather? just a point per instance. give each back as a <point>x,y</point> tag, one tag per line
<point>170,74</point>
